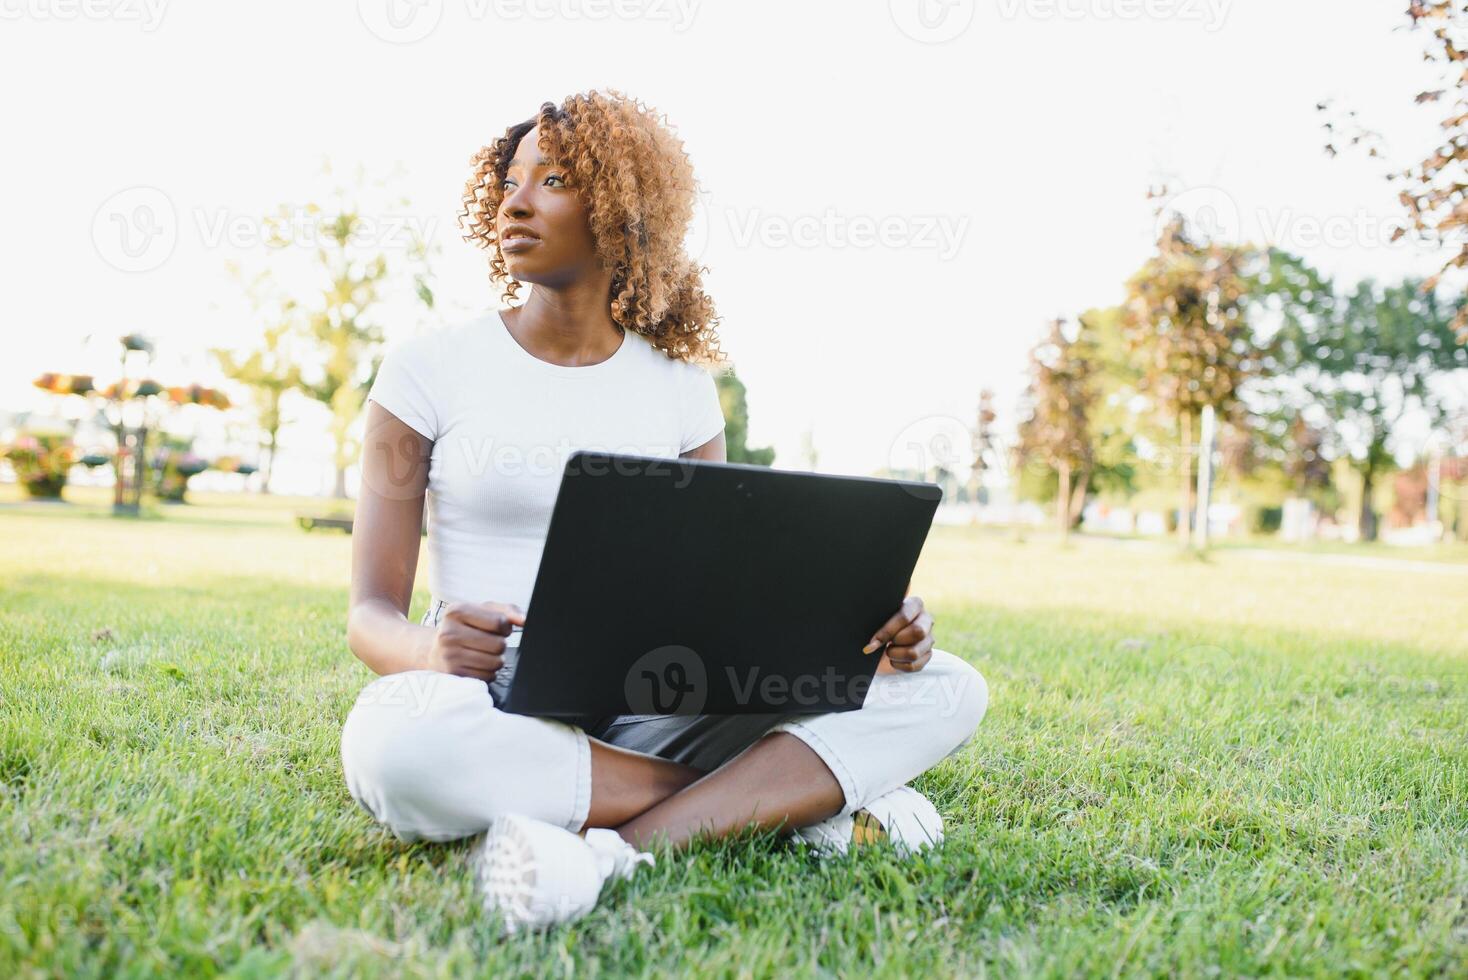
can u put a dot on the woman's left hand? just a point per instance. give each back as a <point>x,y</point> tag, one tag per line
<point>910,635</point>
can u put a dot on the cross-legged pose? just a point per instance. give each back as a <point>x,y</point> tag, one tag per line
<point>588,202</point>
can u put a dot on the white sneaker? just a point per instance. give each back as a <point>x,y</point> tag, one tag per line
<point>904,817</point>
<point>536,874</point>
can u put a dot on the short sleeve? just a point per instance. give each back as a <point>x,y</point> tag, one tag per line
<point>405,383</point>
<point>703,415</point>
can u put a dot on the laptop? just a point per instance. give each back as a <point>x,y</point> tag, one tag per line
<point>685,587</point>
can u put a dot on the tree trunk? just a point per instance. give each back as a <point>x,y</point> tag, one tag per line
<point>1366,521</point>
<point>340,492</point>
<point>1078,496</point>
<point>1062,501</point>
<point>1185,456</point>
<point>140,467</point>
<point>119,462</point>
<point>269,466</point>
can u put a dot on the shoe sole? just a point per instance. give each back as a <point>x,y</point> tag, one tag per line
<point>505,873</point>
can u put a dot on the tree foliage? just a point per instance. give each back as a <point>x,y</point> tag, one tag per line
<point>342,311</point>
<point>1433,191</point>
<point>736,423</point>
<point>270,369</point>
<point>1372,360</point>
<point>1059,399</point>
<point>1188,327</point>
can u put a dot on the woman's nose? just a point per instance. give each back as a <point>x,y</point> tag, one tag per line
<point>516,203</point>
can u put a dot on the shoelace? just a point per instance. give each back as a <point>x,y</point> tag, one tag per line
<point>614,856</point>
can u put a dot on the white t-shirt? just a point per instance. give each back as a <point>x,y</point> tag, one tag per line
<point>504,422</point>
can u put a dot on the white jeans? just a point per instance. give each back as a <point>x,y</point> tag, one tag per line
<point>429,755</point>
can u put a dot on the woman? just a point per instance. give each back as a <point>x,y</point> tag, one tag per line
<point>589,203</point>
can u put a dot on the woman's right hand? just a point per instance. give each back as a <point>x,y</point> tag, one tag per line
<point>470,638</point>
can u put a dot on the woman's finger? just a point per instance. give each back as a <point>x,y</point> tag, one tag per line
<point>479,661</point>
<point>916,664</point>
<point>912,652</point>
<point>470,638</point>
<point>911,607</point>
<point>915,631</point>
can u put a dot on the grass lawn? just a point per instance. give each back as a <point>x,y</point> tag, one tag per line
<point>1192,768</point>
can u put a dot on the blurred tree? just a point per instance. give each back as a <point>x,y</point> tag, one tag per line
<point>808,454</point>
<point>1187,323</point>
<point>1372,362</point>
<point>1055,430</point>
<point>984,446</point>
<point>360,259</point>
<point>270,370</point>
<point>1114,425</point>
<point>736,422</point>
<point>1291,299</point>
<point>1306,463</point>
<point>1434,190</point>
<point>1116,422</point>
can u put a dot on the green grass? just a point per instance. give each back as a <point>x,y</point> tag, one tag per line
<point>1231,766</point>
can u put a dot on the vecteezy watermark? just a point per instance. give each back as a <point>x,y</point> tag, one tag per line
<point>1212,214</point>
<point>307,227</point>
<point>675,680</point>
<point>696,240</point>
<point>670,680</point>
<point>1209,212</point>
<point>147,14</point>
<point>138,228</point>
<point>407,21</point>
<point>931,21</point>
<point>932,445</point>
<point>412,690</point>
<point>394,466</point>
<point>943,233</point>
<point>1210,13</point>
<point>400,21</point>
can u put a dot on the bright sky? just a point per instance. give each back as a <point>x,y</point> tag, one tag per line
<point>897,196</point>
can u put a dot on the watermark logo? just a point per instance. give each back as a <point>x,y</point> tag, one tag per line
<point>412,690</point>
<point>931,21</point>
<point>136,229</point>
<point>1210,13</point>
<point>148,14</point>
<point>670,680</point>
<point>674,680</point>
<point>1211,214</point>
<point>932,445</point>
<point>696,241</point>
<point>400,21</point>
<point>941,233</point>
<point>408,21</point>
<point>1206,212</point>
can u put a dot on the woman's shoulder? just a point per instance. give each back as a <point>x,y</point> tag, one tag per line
<point>439,345</point>
<point>676,368</point>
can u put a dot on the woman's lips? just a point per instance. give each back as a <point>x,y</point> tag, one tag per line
<point>518,244</point>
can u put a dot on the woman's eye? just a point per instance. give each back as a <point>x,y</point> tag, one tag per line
<point>557,177</point>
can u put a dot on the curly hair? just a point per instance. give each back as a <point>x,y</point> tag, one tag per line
<point>637,185</point>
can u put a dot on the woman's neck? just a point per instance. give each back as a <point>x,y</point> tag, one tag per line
<point>567,327</point>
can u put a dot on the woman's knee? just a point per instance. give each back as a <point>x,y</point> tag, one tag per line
<point>964,697</point>
<point>405,748</point>
<point>429,756</point>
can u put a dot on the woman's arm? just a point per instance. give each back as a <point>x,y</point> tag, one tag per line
<point>715,449</point>
<point>385,540</point>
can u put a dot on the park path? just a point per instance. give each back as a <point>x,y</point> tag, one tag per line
<point>1376,562</point>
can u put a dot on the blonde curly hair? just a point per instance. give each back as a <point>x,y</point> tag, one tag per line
<point>637,185</point>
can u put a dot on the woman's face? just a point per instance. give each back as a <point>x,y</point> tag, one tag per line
<point>544,232</point>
